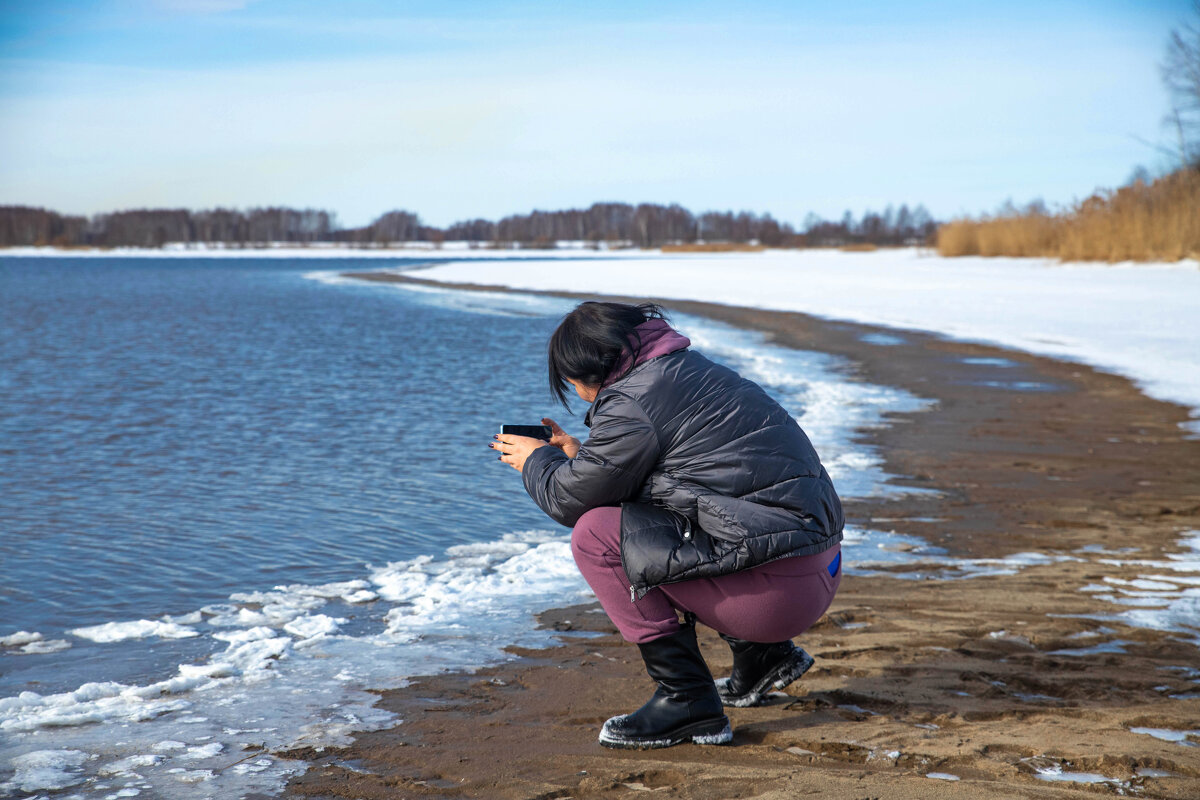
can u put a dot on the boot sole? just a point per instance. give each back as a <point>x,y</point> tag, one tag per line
<point>783,675</point>
<point>713,731</point>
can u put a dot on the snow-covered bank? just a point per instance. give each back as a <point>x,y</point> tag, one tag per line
<point>1138,320</point>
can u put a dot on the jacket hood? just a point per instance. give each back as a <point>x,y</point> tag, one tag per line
<point>657,338</point>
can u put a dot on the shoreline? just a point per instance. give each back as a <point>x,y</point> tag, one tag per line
<point>979,678</point>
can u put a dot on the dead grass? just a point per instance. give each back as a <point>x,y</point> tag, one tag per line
<point>1159,221</point>
<point>713,247</point>
<point>864,247</point>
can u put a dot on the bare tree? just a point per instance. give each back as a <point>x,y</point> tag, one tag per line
<point>396,226</point>
<point>23,225</point>
<point>1181,74</point>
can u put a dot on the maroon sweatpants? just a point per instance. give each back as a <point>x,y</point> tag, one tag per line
<point>770,603</point>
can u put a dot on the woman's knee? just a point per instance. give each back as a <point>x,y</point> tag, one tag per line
<point>597,531</point>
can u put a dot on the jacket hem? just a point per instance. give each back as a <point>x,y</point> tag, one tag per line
<point>811,550</point>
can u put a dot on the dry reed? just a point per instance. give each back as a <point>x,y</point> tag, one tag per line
<point>1159,221</point>
<point>712,247</point>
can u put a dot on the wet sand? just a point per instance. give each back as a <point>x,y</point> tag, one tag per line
<point>914,678</point>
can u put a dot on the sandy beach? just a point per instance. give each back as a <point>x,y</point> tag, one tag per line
<point>1018,664</point>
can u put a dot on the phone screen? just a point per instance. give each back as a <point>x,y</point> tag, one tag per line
<point>535,431</point>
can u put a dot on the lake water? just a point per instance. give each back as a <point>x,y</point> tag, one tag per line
<point>237,493</point>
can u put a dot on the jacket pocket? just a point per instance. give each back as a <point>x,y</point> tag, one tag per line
<point>653,540</point>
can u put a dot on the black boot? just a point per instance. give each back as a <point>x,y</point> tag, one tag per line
<point>684,706</point>
<point>759,668</point>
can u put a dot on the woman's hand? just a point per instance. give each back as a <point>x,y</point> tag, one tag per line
<point>560,439</point>
<point>515,449</point>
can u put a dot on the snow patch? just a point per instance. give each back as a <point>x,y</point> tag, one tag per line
<point>45,770</point>
<point>1057,774</point>
<point>136,629</point>
<point>43,647</point>
<point>1155,600</point>
<point>129,764</point>
<point>1168,734</point>
<point>20,638</point>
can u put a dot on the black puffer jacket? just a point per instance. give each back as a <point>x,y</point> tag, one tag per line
<point>712,475</point>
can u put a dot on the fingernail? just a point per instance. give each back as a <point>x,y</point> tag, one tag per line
<point>495,436</point>
<point>499,458</point>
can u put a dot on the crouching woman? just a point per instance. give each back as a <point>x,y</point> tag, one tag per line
<point>695,495</point>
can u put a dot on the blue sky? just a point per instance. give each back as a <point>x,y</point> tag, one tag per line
<point>458,110</point>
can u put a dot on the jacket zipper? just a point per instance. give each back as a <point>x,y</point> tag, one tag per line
<point>687,534</point>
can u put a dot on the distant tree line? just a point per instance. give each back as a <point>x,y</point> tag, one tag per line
<point>892,226</point>
<point>615,224</point>
<point>155,227</point>
<point>643,225</point>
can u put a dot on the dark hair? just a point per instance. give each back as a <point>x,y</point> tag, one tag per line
<point>586,346</point>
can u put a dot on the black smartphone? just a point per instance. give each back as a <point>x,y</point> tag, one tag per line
<point>534,431</point>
